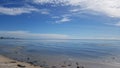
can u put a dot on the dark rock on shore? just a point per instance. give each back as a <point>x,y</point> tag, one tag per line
<point>19,65</point>
<point>80,66</point>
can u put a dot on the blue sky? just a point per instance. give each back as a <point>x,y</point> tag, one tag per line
<point>60,19</point>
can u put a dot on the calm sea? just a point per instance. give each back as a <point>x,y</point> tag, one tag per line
<point>103,50</point>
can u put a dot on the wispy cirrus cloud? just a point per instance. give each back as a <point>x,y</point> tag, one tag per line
<point>22,10</point>
<point>63,20</point>
<point>44,11</point>
<point>59,2</point>
<point>17,10</point>
<point>110,8</point>
<point>27,34</point>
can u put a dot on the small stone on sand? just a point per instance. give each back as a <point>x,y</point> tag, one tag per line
<point>19,65</point>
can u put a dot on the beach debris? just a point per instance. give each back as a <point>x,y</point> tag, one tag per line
<point>19,65</point>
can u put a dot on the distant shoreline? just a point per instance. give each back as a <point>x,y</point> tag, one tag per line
<point>8,38</point>
<point>1,37</point>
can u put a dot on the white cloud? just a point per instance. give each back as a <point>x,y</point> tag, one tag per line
<point>55,17</point>
<point>59,2</point>
<point>26,34</point>
<point>16,11</point>
<point>44,11</point>
<point>49,1</point>
<point>63,20</point>
<point>110,8</point>
<point>75,10</point>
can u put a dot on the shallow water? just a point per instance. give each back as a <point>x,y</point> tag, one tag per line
<point>50,51</point>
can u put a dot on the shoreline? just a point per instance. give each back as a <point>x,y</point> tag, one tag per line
<point>37,54</point>
<point>6,62</point>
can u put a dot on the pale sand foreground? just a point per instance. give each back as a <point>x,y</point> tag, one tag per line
<point>9,63</point>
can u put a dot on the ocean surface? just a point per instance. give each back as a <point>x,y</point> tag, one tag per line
<point>56,51</point>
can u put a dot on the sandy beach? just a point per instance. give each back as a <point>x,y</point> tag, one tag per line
<point>9,63</point>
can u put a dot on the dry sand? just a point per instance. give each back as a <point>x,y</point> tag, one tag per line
<point>9,63</point>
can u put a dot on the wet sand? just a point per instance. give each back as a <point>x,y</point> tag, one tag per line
<point>9,63</point>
